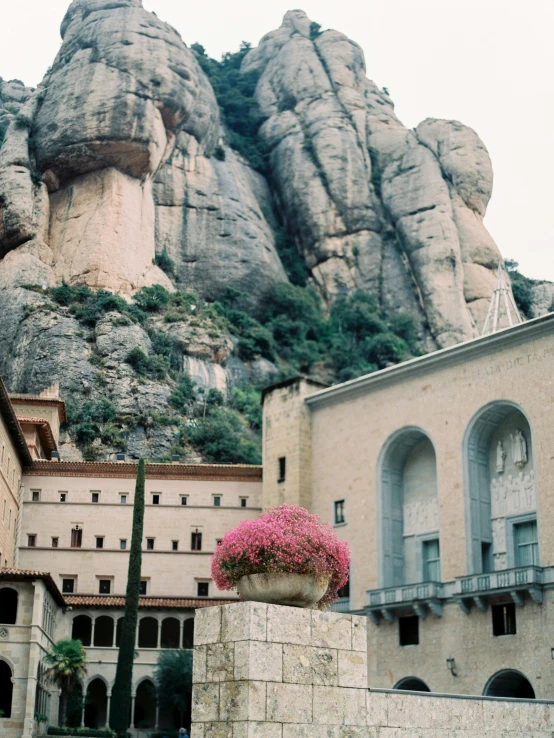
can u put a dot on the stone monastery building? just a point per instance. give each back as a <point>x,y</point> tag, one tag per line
<point>438,472</point>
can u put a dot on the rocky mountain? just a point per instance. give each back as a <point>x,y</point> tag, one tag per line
<point>134,219</point>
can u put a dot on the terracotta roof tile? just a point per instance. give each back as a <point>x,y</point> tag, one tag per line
<point>128,470</point>
<point>151,602</point>
<point>29,575</point>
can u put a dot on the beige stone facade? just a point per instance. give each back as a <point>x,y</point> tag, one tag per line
<point>438,492</point>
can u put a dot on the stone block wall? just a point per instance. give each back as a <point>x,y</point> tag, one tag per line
<point>265,671</point>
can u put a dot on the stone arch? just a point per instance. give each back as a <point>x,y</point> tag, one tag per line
<point>509,683</point>
<point>6,688</point>
<point>145,704</point>
<point>96,703</point>
<point>170,633</point>
<point>408,510</point>
<point>8,605</point>
<point>81,629</point>
<point>104,629</point>
<point>188,633</point>
<point>148,633</point>
<point>412,684</point>
<point>496,487</point>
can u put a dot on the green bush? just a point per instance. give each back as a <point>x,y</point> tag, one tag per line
<point>521,289</point>
<point>184,393</point>
<point>248,401</point>
<point>315,30</point>
<point>165,263</point>
<point>152,299</point>
<point>224,437</point>
<point>153,367</point>
<point>92,732</point>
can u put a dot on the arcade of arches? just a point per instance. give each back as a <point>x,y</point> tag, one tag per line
<point>104,632</point>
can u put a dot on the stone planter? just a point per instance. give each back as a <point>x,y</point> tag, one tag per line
<point>294,590</point>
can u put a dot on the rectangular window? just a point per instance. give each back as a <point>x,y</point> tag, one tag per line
<point>35,495</point>
<point>344,591</point>
<point>486,557</point>
<point>174,545</point>
<point>155,499</point>
<point>431,561</point>
<point>63,496</point>
<point>339,512</point>
<point>150,544</point>
<point>99,542</point>
<point>282,469</point>
<point>31,541</point>
<point>203,589</point>
<point>196,541</point>
<point>55,542</point>
<point>504,619</point>
<point>243,501</point>
<point>408,631</point>
<point>104,586</point>
<point>183,500</point>
<point>217,501</point>
<point>123,499</point>
<point>95,497</point>
<point>123,543</point>
<point>76,537</point>
<point>526,544</point>
<point>68,586</point>
<point>143,588</point>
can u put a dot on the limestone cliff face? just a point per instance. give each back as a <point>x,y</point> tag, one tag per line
<point>373,205</point>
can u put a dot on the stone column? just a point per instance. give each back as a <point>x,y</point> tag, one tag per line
<point>133,698</point>
<point>108,700</point>
<point>265,671</point>
<point>83,708</point>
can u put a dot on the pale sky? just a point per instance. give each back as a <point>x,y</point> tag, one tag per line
<point>487,63</point>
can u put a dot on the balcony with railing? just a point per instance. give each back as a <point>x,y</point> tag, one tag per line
<point>473,590</point>
<point>341,605</point>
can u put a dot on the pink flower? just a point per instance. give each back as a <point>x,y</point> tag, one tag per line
<point>285,539</point>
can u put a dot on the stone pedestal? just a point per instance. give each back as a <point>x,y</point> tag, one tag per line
<point>265,671</point>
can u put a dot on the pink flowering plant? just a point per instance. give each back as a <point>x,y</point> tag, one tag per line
<point>285,540</point>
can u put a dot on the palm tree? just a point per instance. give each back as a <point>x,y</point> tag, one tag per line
<point>67,662</point>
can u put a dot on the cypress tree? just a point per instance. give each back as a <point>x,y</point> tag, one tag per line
<point>121,694</point>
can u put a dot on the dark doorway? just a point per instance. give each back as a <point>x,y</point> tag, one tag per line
<point>6,689</point>
<point>103,631</point>
<point>171,633</point>
<point>148,633</point>
<point>82,629</point>
<point>96,705</point>
<point>145,705</point>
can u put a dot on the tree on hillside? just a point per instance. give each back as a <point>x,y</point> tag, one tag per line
<point>121,694</point>
<point>173,676</point>
<point>67,666</point>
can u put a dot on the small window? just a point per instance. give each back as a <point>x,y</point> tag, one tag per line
<point>123,543</point>
<point>203,589</point>
<point>431,561</point>
<point>504,619</point>
<point>217,501</point>
<point>408,631</point>
<point>105,586</point>
<point>174,545</point>
<point>243,501</point>
<point>123,499</point>
<point>35,495</point>
<point>219,541</point>
<point>155,499</point>
<point>95,497</point>
<point>526,544</point>
<point>344,592</point>
<point>63,496</point>
<point>486,557</point>
<point>196,541</point>
<point>339,512</point>
<point>31,541</point>
<point>55,542</point>
<point>150,544</point>
<point>282,469</point>
<point>99,542</point>
<point>76,537</point>
<point>143,588</point>
<point>68,586</point>
<point>183,500</point>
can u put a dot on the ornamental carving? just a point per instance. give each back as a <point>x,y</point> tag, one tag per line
<point>519,448</point>
<point>421,516</point>
<point>4,633</point>
<point>513,494</point>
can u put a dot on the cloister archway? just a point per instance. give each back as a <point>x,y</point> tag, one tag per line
<point>6,689</point>
<point>96,704</point>
<point>509,683</point>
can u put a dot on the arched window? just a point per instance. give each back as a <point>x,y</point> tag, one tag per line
<point>103,631</point>
<point>82,629</point>
<point>118,632</point>
<point>148,633</point>
<point>188,633</point>
<point>8,606</point>
<point>409,510</point>
<point>96,704</point>
<point>509,683</point>
<point>412,684</point>
<point>171,632</point>
<point>6,690</point>
<point>500,490</point>
<point>145,705</point>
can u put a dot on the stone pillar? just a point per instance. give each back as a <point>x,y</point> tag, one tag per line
<point>133,698</point>
<point>83,708</point>
<point>108,700</point>
<point>265,671</point>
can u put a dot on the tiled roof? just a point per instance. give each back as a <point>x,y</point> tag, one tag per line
<point>29,575</point>
<point>126,470</point>
<point>14,429</point>
<point>151,602</point>
<point>44,431</point>
<point>20,399</point>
